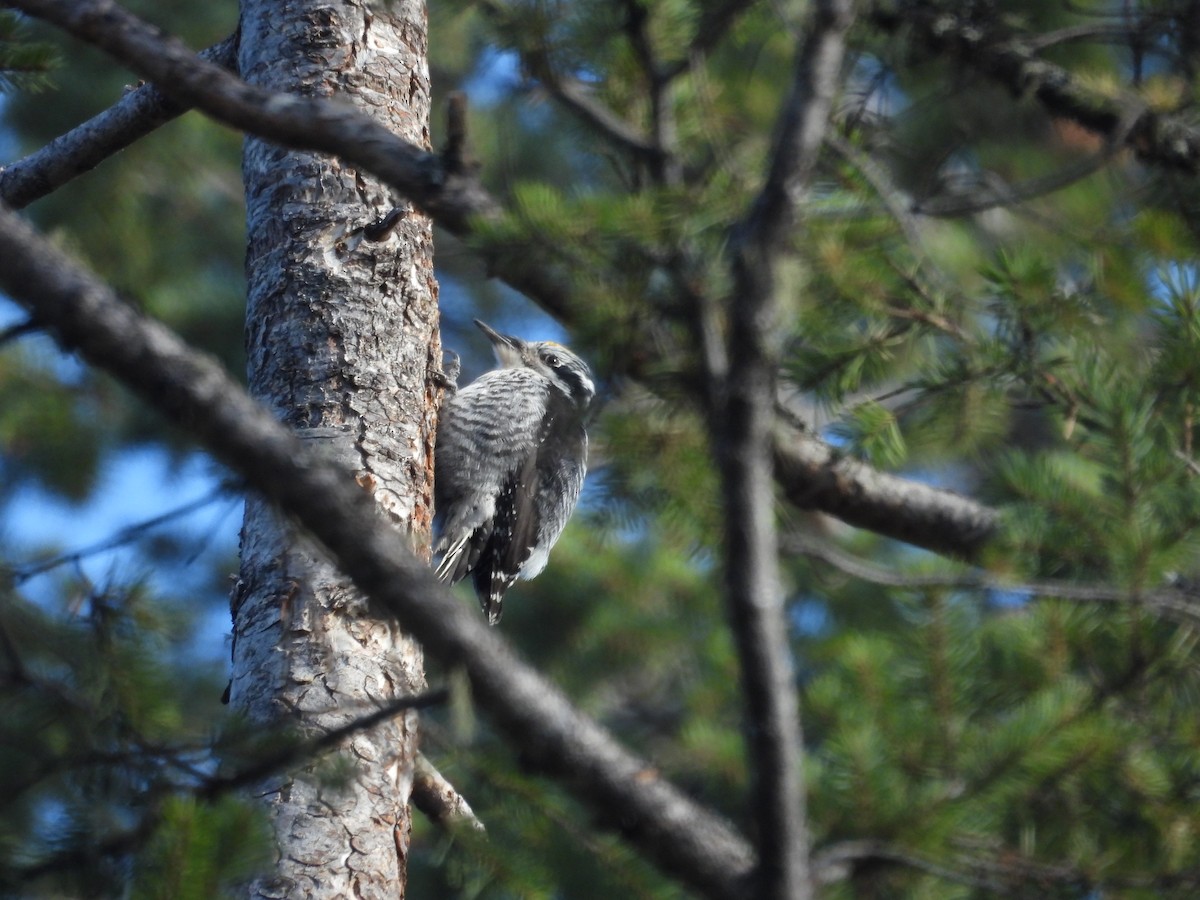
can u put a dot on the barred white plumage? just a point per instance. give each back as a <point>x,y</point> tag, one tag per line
<point>510,461</point>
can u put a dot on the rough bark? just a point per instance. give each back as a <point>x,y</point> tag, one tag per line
<point>341,338</point>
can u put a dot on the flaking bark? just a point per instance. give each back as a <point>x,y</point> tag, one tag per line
<point>341,337</point>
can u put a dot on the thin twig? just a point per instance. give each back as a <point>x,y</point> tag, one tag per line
<point>301,751</point>
<point>997,193</point>
<point>126,535</point>
<point>839,861</point>
<point>1167,601</point>
<point>19,330</point>
<point>575,96</point>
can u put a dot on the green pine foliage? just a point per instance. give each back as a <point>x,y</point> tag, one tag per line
<point>981,295</point>
<point>25,64</point>
<point>106,742</point>
<point>996,742</point>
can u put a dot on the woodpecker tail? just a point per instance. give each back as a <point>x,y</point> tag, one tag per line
<point>492,606</point>
<point>490,587</point>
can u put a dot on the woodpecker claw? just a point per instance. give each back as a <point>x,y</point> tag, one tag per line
<point>447,376</point>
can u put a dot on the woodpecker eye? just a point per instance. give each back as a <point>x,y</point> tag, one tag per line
<point>552,360</point>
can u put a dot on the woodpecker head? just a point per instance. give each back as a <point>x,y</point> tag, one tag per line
<point>566,371</point>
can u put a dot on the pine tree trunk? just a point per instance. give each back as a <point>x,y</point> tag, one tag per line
<point>341,337</point>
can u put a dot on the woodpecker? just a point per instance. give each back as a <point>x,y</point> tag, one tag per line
<point>509,463</point>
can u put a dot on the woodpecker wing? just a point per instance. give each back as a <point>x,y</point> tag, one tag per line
<point>514,529</point>
<point>561,467</point>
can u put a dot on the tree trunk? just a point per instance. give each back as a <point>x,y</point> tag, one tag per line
<point>341,336</point>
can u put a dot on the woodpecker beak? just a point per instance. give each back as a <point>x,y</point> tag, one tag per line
<point>506,347</point>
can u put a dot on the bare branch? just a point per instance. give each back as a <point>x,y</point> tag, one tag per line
<point>81,149</point>
<point>838,862</point>
<point>741,432</point>
<point>192,391</point>
<point>125,535</point>
<point>815,475</point>
<point>310,123</point>
<point>438,799</point>
<point>301,751</point>
<point>574,95</point>
<point>19,330</point>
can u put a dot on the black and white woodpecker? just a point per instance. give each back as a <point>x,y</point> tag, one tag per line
<point>509,463</point>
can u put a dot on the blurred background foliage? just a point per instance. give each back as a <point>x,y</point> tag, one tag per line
<point>983,296</point>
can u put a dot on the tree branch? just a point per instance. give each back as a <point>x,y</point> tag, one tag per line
<point>996,192</point>
<point>839,861</point>
<point>301,751</point>
<point>125,535</point>
<point>815,475</point>
<point>438,799</point>
<point>1169,602</point>
<point>81,149</point>
<point>811,472</point>
<point>192,391</point>
<point>741,433</point>
<point>1167,141</point>
<point>665,166</point>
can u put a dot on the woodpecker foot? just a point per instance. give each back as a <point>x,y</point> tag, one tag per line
<point>447,376</point>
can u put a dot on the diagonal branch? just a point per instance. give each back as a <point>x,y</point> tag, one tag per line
<point>816,475</point>
<point>81,149</point>
<point>291,754</point>
<point>1169,142</point>
<point>452,197</point>
<point>742,436</point>
<point>435,796</point>
<point>128,534</point>
<point>192,391</point>
<point>810,471</point>
<point>575,96</point>
<point>995,192</point>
